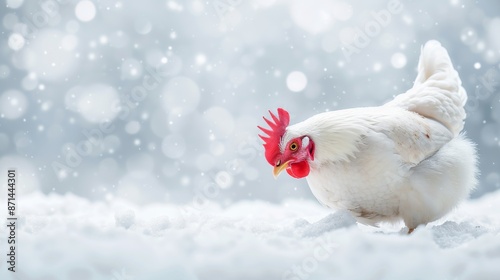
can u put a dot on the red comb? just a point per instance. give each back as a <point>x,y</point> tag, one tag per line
<point>274,134</point>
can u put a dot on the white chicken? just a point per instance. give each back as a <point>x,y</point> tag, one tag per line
<point>405,160</point>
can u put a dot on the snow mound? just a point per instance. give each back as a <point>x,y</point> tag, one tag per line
<point>68,237</point>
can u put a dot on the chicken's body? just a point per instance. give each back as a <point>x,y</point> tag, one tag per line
<point>401,166</point>
<point>403,160</point>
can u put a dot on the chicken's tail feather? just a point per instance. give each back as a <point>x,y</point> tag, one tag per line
<point>437,92</point>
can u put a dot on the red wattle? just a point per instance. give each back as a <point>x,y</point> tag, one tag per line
<point>299,169</point>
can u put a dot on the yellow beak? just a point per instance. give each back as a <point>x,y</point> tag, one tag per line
<point>278,169</point>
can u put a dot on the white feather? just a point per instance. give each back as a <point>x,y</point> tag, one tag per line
<point>404,160</point>
<point>437,92</point>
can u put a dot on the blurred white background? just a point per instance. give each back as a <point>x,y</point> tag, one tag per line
<point>158,101</point>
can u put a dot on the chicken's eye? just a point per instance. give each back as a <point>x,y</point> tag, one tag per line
<point>294,146</point>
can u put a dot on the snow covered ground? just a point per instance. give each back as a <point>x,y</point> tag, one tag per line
<point>69,237</point>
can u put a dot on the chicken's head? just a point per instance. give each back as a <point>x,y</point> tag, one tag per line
<point>294,155</point>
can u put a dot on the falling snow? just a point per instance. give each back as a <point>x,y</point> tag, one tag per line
<point>131,110</point>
